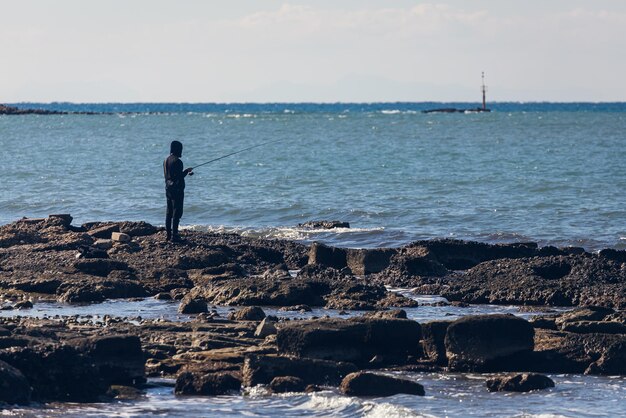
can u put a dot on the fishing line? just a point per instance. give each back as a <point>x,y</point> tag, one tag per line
<point>236,152</point>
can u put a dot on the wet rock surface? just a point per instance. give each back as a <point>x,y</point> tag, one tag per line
<point>370,384</point>
<point>524,382</point>
<point>84,359</point>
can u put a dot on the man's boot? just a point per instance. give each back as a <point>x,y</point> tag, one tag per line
<point>168,227</point>
<point>175,236</point>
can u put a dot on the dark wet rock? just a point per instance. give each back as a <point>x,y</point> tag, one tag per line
<point>561,280</point>
<point>137,229</point>
<point>163,296</point>
<point>208,384</point>
<point>119,358</point>
<point>588,313</point>
<point>370,384</point>
<point>126,393</point>
<point>263,369</point>
<point>523,382</point>
<point>367,261</point>
<point>327,256</point>
<point>25,304</point>
<point>566,352</point>
<point>462,255</point>
<point>615,255</point>
<point>612,361</point>
<point>296,308</point>
<point>433,341</point>
<point>99,267</point>
<point>355,340</point>
<point>587,327</point>
<point>102,231</point>
<point>99,290</point>
<point>41,285</point>
<point>324,225</point>
<point>191,305</point>
<point>200,259</point>
<point>407,264</point>
<point>544,322</point>
<point>392,314</point>
<point>69,375</point>
<point>14,388</point>
<point>485,342</point>
<point>283,384</point>
<point>265,328</point>
<point>12,110</point>
<point>249,313</point>
<point>396,300</point>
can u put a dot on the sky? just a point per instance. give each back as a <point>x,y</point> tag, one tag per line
<point>311,50</point>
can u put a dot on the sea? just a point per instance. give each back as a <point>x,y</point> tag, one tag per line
<point>552,173</point>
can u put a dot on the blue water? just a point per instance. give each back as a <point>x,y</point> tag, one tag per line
<point>553,173</point>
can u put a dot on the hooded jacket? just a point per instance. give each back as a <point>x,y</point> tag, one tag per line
<point>173,169</point>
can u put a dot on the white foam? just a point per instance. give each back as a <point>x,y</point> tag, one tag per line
<point>387,410</point>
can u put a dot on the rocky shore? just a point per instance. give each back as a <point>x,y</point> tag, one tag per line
<point>50,259</point>
<point>12,110</point>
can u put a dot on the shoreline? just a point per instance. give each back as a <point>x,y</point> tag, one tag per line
<point>209,354</point>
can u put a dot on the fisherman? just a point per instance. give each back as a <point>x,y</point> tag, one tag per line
<point>174,189</point>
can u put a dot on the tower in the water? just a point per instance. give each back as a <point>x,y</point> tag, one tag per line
<point>484,90</point>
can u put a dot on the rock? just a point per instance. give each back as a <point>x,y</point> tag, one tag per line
<point>69,376</point>
<point>126,393</point>
<point>367,261</point>
<point>137,229</point>
<point>262,369</point>
<point>566,352</point>
<point>65,219</point>
<point>120,237</point>
<point>523,382</point>
<point>99,290</point>
<point>119,358</point>
<point>573,280</point>
<point>104,231</point>
<point>392,314</point>
<point>433,341</point>
<point>327,256</point>
<point>99,266</point>
<point>355,340</point>
<point>587,327</point>
<point>462,255</point>
<point>588,313</point>
<point>103,244</point>
<point>249,313</point>
<point>324,225</point>
<point>163,296</point>
<point>283,384</point>
<point>14,388</point>
<point>25,304</point>
<point>207,384</point>
<point>486,342</point>
<point>612,362</point>
<point>297,308</point>
<point>265,328</point>
<point>370,384</point>
<point>191,305</point>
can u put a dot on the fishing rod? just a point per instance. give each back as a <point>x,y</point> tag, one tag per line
<point>236,152</point>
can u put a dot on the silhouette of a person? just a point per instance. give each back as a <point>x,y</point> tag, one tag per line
<point>174,189</point>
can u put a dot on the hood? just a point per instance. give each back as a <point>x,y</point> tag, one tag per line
<point>176,148</point>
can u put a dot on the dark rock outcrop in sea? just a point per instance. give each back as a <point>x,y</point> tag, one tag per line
<point>523,382</point>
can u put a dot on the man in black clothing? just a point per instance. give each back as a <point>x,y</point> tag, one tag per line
<point>174,189</point>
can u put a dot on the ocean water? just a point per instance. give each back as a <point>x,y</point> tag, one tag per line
<point>552,173</point>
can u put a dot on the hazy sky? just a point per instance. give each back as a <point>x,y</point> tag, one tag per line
<point>311,50</point>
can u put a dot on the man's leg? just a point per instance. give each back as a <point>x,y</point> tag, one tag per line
<point>168,218</point>
<point>178,213</point>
